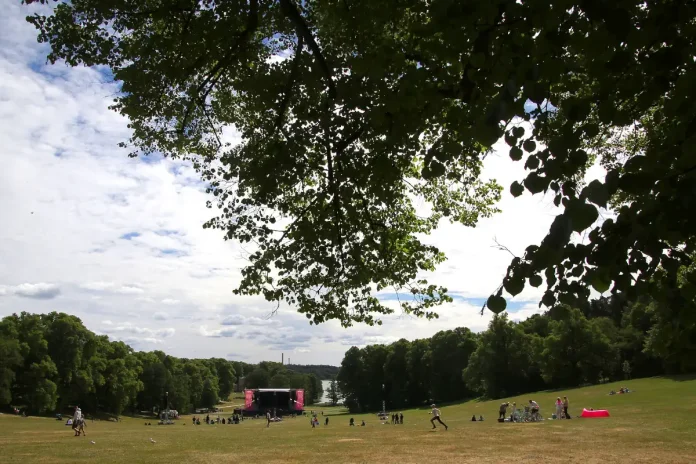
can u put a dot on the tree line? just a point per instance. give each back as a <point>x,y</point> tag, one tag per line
<point>323,371</point>
<point>606,339</point>
<point>51,362</point>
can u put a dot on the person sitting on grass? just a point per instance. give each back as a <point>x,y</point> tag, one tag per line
<point>362,424</point>
<point>352,422</point>
<point>436,417</point>
<point>480,418</point>
<point>535,407</point>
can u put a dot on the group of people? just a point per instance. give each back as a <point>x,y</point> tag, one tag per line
<point>397,418</point>
<point>622,390</point>
<point>352,423</point>
<point>234,419</point>
<point>562,408</point>
<point>532,412</point>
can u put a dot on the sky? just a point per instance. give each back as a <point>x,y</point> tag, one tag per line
<point>119,242</point>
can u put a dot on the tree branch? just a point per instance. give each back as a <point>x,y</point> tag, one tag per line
<point>212,76</point>
<point>293,14</point>
<point>501,247</point>
<point>291,82</point>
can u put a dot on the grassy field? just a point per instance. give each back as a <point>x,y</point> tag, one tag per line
<point>656,423</point>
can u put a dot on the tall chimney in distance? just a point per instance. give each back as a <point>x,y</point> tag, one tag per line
<point>282,358</point>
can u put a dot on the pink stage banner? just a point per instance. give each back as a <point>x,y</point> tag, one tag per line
<point>248,398</point>
<point>299,400</point>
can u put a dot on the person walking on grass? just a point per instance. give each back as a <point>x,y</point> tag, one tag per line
<point>77,417</point>
<point>565,407</point>
<point>268,419</point>
<point>81,428</point>
<point>436,417</point>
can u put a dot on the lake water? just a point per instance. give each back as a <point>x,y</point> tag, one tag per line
<point>325,385</point>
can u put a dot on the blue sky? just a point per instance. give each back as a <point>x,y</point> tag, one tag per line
<point>119,241</point>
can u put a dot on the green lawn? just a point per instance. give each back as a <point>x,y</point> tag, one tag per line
<point>656,423</point>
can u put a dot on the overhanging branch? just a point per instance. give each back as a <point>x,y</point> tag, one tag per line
<point>291,82</point>
<point>293,14</point>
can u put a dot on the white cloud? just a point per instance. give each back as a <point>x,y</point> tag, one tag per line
<point>107,322</point>
<point>237,319</point>
<point>130,290</point>
<point>169,301</point>
<point>160,316</point>
<point>143,332</point>
<point>203,331</point>
<point>38,291</point>
<point>98,286</point>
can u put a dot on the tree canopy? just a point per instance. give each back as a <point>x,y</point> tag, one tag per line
<point>349,110</point>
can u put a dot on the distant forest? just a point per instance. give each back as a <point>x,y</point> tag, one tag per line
<point>322,371</point>
<point>604,340</point>
<point>52,362</point>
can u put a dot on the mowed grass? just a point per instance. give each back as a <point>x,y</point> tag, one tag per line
<point>656,423</point>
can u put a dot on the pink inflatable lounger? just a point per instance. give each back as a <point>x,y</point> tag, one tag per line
<point>597,413</point>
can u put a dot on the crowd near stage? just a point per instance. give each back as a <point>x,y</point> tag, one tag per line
<point>278,401</point>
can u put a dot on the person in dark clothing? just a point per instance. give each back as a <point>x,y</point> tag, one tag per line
<point>207,419</point>
<point>503,410</point>
<point>352,422</point>
<point>401,418</point>
<point>326,421</point>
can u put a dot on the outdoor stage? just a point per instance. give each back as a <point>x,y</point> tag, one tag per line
<point>278,401</point>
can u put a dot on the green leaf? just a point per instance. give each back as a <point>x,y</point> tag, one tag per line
<point>513,285</point>
<point>549,299</point>
<point>516,153</point>
<point>600,282</point>
<point>516,189</point>
<point>529,146</point>
<point>535,183</point>
<point>535,280</point>
<point>532,162</point>
<point>597,193</point>
<point>582,215</point>
<point>496,303</point>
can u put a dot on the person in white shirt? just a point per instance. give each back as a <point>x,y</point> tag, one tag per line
<point>268,419</point>
<point>436,417</point>
<point>77,419</point>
